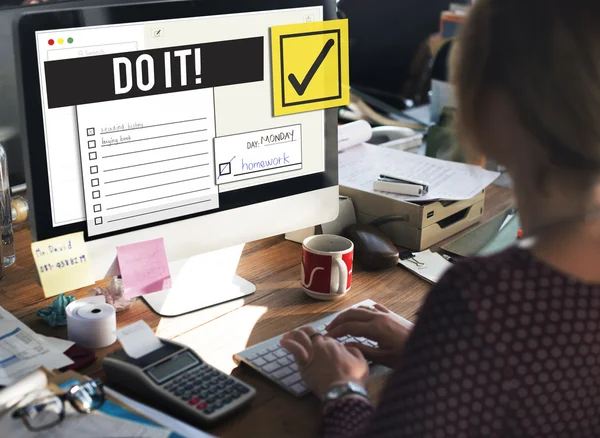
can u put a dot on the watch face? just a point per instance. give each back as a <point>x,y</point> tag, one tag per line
<point>346,388</point>
<point>339,390</point>
<point>354,387</point>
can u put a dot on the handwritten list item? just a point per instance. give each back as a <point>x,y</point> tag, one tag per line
<point>147,159</point>
<point>144,267</point>
<point>63,263</point>
<point>258,153</point>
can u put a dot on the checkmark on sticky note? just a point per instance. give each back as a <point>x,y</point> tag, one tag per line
<point>301,87</point>
<point>144,267</point>
<point>310,67</point>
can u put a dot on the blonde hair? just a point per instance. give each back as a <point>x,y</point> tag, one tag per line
<point>544,55</point>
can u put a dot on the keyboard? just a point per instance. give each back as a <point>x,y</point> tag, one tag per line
<point>273,361</point>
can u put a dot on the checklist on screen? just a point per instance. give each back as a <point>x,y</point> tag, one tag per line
<point>143,163</point>
<point>173,118</point>
<point>258,153</point>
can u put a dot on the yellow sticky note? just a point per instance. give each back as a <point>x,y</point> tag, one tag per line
<point>310,66</point>
<point>63,263</point>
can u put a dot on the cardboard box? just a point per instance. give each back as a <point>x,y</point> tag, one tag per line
<point>416,226</point>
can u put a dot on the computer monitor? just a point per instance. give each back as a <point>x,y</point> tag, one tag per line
<point>10,137</point>
<point>155,120</point>
<point>385,36</point>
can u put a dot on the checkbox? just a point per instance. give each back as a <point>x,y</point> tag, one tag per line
<point>324,77</point>
<point>93,155</point>
<point>91,144</point>
<point>91,131</point>
<point>95,182</point>
<point>94,169</point>
<point>97,208</point>
<point>224,169</point>
<point>96,194</point>
<point>98,221</point>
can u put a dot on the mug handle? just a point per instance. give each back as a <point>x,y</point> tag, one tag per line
<point>342,276</point>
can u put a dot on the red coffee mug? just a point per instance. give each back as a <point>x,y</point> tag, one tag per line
<point>327,266</point>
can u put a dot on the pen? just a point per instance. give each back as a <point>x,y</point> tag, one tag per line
<point>450,259</point>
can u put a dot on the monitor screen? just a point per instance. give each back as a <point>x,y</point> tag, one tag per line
<point>148,119</point>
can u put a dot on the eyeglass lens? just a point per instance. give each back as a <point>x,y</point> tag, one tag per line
<point>87,396</point>
<point>44,413</point>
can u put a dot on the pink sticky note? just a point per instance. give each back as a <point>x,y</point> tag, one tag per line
<point>144,267</point>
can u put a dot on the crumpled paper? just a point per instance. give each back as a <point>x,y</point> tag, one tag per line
<point>113,293</point>
<point>55,315</point>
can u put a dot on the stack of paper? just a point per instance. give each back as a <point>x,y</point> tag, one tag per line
<point>119,416</point>
<point>75,425</point>
<point>360,165</point>
<point>173,424</point>
<point>23,351</point>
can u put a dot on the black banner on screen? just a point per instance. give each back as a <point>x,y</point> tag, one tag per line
<point>79,81</point>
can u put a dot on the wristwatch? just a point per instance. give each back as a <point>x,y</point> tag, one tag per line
<point>339,391</point>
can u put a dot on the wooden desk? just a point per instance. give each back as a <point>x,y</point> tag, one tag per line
<point>278,305</point>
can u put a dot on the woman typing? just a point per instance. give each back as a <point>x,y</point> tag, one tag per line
<point>509,344</point>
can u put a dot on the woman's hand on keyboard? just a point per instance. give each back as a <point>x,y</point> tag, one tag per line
<point>377,324</point>
<point>323,361</point>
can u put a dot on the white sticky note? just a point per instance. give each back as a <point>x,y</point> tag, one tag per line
<point>138,339</point>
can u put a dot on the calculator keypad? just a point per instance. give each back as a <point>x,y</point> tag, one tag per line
<point>205,388</point>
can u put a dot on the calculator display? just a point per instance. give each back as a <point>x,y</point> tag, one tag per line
<point>173,366</point>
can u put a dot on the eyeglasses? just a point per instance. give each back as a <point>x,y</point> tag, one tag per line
<point>47,412</point>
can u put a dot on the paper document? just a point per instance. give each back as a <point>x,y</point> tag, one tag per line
<point>23,351</point>
<point>430,266</point>
<point>361,165</point>
<point>13,394</point>
<point>159,417</point>
<point>353,133</point>
<point>147,159</point>
<point>61,345</point>
<point>144,267</point>
<point>76,425</point>
<point>138,339</point>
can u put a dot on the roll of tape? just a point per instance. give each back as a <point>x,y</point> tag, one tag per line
<point>91,322</point>
<point>20,209</point>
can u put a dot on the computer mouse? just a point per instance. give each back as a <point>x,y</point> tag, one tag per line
<point>373,250</point>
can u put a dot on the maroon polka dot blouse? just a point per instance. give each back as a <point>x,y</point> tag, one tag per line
<point>504,346</point>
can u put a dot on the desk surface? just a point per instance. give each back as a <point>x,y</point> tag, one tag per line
<point>277,306</point>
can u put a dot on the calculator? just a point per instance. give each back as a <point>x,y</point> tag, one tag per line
<point>174,379</point>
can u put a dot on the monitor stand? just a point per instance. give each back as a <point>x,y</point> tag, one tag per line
<point>201,281</point>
